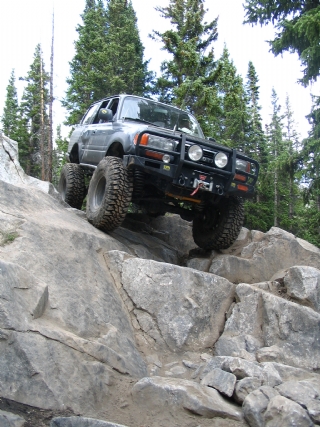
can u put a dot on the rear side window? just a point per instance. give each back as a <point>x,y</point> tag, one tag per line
<point>88,118</point>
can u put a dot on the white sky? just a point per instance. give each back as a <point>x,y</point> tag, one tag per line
<point>24,24</point>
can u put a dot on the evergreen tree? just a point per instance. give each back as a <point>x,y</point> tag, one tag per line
<point>125,69</point>
<point>257,211</point>
<point>309,213</point>
<point>278,166</point>
<point>311,151</point>
<point>10,118</point>
<point>298,25</point>
<point>59,156</point>
<point>291,162</point>
<point>108,59</point>
<point>256,137</point>
<point>34,115</point>
<point>88,80</point>
<point>233,120</point>
<point>189,78</point>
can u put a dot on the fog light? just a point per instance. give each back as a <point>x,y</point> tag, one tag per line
<point>166,158</point>
<point>221,160</point>
<point>195,153</point>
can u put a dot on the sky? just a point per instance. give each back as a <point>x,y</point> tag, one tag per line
<point>24,24</point>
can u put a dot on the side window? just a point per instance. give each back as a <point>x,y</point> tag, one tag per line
<point>113,106</point>
<point>90,114</point>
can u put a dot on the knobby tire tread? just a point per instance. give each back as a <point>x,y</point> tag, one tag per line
<point>72,185</point>
<point>117,195</point>
<point>226,231</point>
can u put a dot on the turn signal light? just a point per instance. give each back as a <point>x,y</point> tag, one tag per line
<point>154,154</point>
<point>144,139</point>
<point>242,187</point>
<point>239,177</point>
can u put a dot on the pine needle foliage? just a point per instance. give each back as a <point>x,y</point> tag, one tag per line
<point>188,79</point>
<point>10,117</point>
<point>108,58</point>
<point>298,30</point>
<point>34,119</point>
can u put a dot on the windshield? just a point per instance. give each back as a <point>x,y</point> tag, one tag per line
<point>162,115</point>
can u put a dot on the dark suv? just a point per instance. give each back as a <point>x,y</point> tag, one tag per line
<point>154,155</point>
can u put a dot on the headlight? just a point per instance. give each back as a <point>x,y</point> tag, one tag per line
<point>156,142</point>
<point>242,165</point>
<point>221,160</point>
<point>195,153</point>
<point>162,143</point>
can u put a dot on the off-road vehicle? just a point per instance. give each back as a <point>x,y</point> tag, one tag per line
<point>155,156</point>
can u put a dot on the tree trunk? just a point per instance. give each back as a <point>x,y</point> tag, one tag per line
<point>43,169</point>
<point>50,143</point>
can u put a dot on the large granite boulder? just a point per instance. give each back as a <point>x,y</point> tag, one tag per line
<point>265,257</point>
<point>137,327</point>
<point>271,328</point>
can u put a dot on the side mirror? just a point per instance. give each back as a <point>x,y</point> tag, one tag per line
<point>211,139</point>
<point>105,115</point>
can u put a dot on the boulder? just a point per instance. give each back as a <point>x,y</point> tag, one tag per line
<point>61,314</point>
<point>246,386</point>
<point>220,380</point>
<point>255,405</point>
<point>303,285</point>
<point>261,260</point>
<point>301,392</point>
<point>272,321</point>
<point>7,419</point>
<point>175,394</point>
<point>286,413</point>
<point>187,307</point>
<point>131,327</point>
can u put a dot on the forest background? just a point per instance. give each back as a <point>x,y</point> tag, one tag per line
<point>109,58</point>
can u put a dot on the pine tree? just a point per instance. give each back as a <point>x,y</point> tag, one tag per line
<point>257,211</point>
<point>311,151</point>
<point>275,165</point>
<point>298,25</point>
<point>10,117</point>
<point>125,69</point>
<point>188,80</point>
<point>59,156</point>
<point>256,136</point>
<point>34,115</point>
<point>88,80</point>
<point>291,162</point>
<point>234,120</point>
<point>108,59</point>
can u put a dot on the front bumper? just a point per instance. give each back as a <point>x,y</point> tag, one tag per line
<point>195,176</point>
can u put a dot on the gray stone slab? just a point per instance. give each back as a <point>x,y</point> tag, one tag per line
<point>158,393</point>
<point>220,380</point>
<point>81,422</point>
<point>7,419</point>
<point>286,413</point>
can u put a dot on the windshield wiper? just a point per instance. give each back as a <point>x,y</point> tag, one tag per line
<point>139,120</point>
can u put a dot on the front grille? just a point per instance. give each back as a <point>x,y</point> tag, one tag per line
<point>208,156</point>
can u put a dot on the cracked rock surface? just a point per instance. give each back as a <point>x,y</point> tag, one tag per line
<point>141,328</point>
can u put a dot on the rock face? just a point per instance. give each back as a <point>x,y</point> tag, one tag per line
<point>140,327</point>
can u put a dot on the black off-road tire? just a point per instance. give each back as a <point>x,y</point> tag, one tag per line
<point>219,226</point>
<point>109,194</point>
<point>72,185</point>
